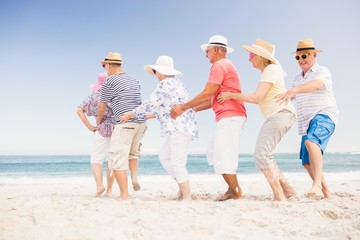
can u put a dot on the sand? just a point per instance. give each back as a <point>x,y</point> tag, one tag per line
<point>69,211</point>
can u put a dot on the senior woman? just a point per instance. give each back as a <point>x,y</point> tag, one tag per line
<point>278,118</point>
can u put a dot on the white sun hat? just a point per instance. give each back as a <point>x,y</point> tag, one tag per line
<point>217,40</point>
<point>163,65</point>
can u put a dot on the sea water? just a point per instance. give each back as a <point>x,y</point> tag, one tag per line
<point>43,169</point>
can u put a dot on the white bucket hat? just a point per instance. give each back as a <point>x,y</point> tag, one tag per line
<point>217,40</point>
<point>163,65</point>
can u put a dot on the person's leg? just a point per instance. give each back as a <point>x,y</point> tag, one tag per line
<point>316,162</point>
<point>271,133</point>
<point>179,143</point>
<point>225,155</point>
<point>98,176</point>
<point>121,142</point>
<point>135,152</point>
<point>98,154</point>
<point>133,166</point>
<point>185,191</point>
<point>272,177</point>
<point>110,178</point>
<point>325,189</point>
<point>232,181</point>
<point>122,181</point>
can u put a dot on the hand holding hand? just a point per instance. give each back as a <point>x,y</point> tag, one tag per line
<point>176,111</point>
<point>223,96</point>
<point>285,97</point>
<point>126,116</point>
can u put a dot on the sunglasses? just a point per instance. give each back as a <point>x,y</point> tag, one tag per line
<point>154,71</point>
<point>302,56</point>
<point>251,56</point>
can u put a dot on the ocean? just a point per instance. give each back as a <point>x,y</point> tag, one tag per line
<point>41,168</point>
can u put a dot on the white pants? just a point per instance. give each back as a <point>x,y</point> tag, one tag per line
<point>100,149</point>
<point>173,156</point>
<point>223,151</point>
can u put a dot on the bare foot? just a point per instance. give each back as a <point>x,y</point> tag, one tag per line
<point>287,189</point>
<point>224,197</point>
<point>315,193</point>
<point>136,186</point>
<point>108,194</point>
<point>99,191</point>
<point>178,196</point>
<point>120,199</point>
<point>326,192</point>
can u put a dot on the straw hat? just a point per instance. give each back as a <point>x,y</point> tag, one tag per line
<point>101,79</point>
<point>305,45</point>
<point>163,65</point>
<point>112,58</point>
<point>263,49</point>
<point>217,40</point>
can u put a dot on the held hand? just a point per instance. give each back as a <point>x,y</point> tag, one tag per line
<point>126,116</point>
<point>285,97</point>
<point>223,96</point>
<point>176,111</point>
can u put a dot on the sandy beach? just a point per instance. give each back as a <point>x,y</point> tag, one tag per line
<point>68,211</point>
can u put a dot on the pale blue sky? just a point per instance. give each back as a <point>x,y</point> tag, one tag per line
<point>50,52</point>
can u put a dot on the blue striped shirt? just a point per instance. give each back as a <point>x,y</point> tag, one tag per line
<point>123,93</point>
<point>317,102</point>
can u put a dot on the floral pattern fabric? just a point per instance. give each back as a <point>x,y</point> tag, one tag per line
<point>169,92</point>
<point>90,107</point>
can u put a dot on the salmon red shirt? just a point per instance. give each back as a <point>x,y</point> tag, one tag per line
<point>224,73</point>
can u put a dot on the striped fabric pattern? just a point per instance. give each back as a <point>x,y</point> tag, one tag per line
<point>124,94</point>
<point>316,102</point>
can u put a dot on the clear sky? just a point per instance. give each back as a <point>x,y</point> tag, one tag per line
<point>50,52</point>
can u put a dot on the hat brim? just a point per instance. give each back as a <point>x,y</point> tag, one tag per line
<point>110,61</point>
<point>167,71</point>
<point>314,50</point>
<point>206,45</point>
<point>258,52</point>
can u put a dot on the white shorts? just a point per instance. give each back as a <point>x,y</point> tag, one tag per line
<point>223,151</point>
<point>100,149</point>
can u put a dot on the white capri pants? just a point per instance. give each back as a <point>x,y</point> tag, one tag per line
<point>223,151</point>
<point>173,156</point>
<point>100,149</point>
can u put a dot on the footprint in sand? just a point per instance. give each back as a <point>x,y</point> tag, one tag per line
<point>329,214</point>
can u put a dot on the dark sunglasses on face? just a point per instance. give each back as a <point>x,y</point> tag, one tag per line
<point>302,56</point>
<point>154,71</point>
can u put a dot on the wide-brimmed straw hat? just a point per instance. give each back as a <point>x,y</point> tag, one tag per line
<point>217,40</point>
<point>163,65</point>
<point>112,58</point>
<point>263,49</point>
<point>101,79</point>
<point>306,45</point>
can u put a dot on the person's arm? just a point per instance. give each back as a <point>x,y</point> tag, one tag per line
<point>209,90</point>
<point>255,97</point>
<point>101,112</point>
<point>203,106</point>
<point>80,112</point>
<point>311,86</point>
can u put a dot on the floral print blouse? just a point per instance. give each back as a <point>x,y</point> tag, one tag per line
<point>90,107</point>
<point>169,92</point>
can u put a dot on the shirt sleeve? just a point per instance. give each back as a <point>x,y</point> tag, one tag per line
<point>217,74</point>
<point>325,76</point>
<point>157,98</point>
<point>271,74</point>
